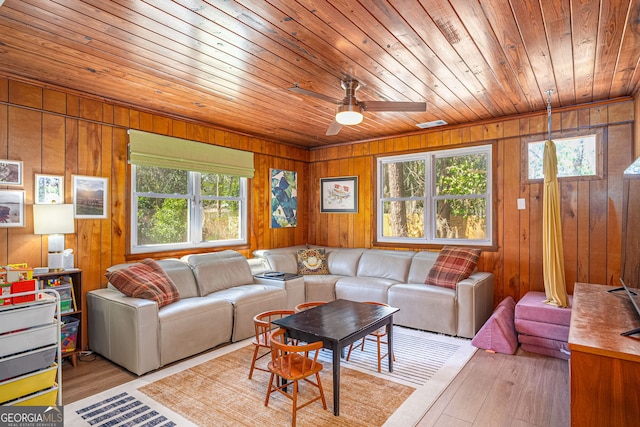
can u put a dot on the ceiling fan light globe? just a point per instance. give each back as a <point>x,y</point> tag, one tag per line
<point>349,115</point>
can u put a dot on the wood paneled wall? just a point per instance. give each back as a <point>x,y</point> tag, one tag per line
<point>59,133</point>
<point>590,208</point>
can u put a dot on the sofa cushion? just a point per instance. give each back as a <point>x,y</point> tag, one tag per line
<point>320,287</point>
<point>386,264</point>
<point>145,280</point>
<point>421,264</point>
<point>216,271</point>
<point>498,334</point>
<point>185,328</point>
<point>545,346</point>
<point>285,262</point>
<point>452,265</point>
<point>344,261</point>
<point>312,261</point>
<point>181,275</point>
<point>431,308</point>
<point>364,289</point>
<point>532,307</point>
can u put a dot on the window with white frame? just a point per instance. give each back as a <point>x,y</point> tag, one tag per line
<point>175,209</point>
<point>436,197</point>
<point>577,157</point>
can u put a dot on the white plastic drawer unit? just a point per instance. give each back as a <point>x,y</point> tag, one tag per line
<point>17,342</point>
<point>19,316</point>
<point>28,361</point>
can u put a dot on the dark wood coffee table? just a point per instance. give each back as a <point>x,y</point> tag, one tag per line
<point>338,324</point>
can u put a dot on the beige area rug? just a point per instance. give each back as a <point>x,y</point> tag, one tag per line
<point>213,389</point>
<point>218,392</point>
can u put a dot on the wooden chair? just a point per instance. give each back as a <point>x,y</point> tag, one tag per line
<point>263,330</point>
<point>307,305</point>
<point>376,336</point>
<point>293,363</point>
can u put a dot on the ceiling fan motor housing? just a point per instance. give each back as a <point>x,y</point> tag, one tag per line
<point>349,112</point>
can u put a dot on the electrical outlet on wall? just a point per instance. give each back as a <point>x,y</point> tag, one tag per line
<point>521,204</point>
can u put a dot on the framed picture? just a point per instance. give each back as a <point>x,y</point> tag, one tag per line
<point>10,172</point>
<point>11,208</point>
<point>90,197</point>
<point>339,194</point>
<point>284,198</point>
<point>49,189</point>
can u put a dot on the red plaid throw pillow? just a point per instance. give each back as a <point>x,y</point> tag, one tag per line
<point>452,265</point>
<point>145,280</point>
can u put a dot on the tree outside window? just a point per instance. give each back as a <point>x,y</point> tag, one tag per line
<point>577,157</point>
<point>174,209</point>
<point>435,197</point>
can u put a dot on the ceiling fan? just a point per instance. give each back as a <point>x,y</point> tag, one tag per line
<point>350,110</point>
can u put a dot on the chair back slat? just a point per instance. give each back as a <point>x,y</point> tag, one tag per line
<point>293,360</point>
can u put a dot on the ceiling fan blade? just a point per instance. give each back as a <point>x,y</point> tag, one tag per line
<point>393,106</point>
<point>302,91</point>
<point>334,128</point>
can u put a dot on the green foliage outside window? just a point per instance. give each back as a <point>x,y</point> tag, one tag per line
<point>457,196</point>
<point>166,197</point>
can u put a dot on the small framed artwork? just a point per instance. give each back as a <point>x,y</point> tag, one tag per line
<point>10,172</point>
<point>49,189</point>
<point>339,195</point>
<point>90,197</point>
<point>11,208</point>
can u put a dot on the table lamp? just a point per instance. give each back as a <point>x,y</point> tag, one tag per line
<point>55,220</point>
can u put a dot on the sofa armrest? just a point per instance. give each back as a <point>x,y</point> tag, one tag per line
<point>475,303</point>
<point>124,329</point>
<point>294,288</point>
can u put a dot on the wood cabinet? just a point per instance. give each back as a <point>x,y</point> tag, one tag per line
<point>71,308</point>
<point>604,366</point>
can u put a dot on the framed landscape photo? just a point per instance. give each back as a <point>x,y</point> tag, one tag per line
<point>49,189</point>
<point>339,195</point>
<point>11,208</point>
<point>90,197</point>
<point>10,172</point>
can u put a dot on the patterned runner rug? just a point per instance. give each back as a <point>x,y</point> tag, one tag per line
<point>213,389</point>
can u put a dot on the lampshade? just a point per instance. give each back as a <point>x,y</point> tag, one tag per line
<point>349,114</point>
<point>53,219</point>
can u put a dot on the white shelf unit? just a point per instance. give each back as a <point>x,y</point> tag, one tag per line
<point>30,350</point>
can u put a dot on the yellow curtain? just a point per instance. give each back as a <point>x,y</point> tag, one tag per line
<point>552,252</point>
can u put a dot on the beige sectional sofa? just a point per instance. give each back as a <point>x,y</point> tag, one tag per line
<point>396,278</point>
<point>218,299</point>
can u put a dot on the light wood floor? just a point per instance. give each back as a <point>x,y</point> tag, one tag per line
<point>491,390</point>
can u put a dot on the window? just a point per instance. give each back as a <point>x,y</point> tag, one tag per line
<point>178,209</point>
<point>437,197</point>
<point>577,157</point>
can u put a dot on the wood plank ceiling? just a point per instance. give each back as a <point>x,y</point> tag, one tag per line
<point>230,63</point>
